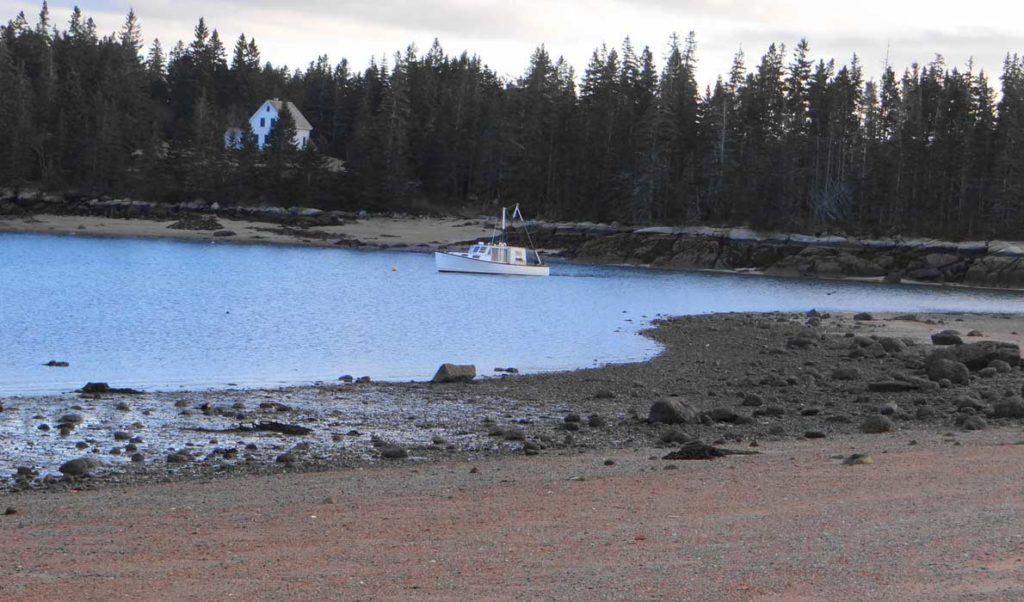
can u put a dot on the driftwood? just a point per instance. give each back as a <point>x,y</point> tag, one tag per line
<point>273,427</point>
<point>698,450</point>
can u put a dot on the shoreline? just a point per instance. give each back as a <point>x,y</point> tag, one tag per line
<point>558,483</point>
<point>398,234</point>
<point>500,415</point>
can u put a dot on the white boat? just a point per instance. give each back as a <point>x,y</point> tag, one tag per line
<point>495,257</point>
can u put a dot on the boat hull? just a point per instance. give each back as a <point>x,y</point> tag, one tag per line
<point>448,262</point>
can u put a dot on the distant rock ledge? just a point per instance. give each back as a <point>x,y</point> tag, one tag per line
<point>991,263</point>
<point>977,263</point>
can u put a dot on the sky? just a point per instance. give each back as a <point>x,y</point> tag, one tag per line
<point>505,32</point>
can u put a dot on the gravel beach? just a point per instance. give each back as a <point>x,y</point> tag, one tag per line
<point>554,486</point>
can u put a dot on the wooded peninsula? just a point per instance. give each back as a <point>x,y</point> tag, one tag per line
<point>790,143</point>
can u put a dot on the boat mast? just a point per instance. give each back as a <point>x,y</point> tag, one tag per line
<point>504,234</point>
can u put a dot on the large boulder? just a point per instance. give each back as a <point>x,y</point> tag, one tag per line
<point>956,372</point>
<point>455,373</point>
<point>672,410</point>
<point>79,467</point>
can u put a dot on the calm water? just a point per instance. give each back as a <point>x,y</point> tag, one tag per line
<point>164,315</point>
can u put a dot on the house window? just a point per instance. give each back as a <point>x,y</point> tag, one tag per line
<point>268,108</point>
<point>263,122</point>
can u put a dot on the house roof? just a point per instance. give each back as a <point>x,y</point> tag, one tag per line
<point>301,123</point>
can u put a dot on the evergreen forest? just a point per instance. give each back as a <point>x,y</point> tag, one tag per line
<point>788,141</point>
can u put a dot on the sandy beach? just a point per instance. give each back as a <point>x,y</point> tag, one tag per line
<point>375,231</point>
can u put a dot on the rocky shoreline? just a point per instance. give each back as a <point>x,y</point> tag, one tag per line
<point>728,380</point>
<point>985,263</point>
<point>996,264</point>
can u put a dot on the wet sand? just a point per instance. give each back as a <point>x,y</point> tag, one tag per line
<point>413,233</point>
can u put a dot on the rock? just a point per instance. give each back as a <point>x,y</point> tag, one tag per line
<point>877,424</point>
<point>846,373</point>
<point>863,317</point>
<point>863,341</point>
<point>1000,366</point>
<point>722,415</point>
<point>801,342</point>
<point>286,458</point>
<point>888,409</point>
<point>346,378</point>
<point>1011,407</point>
<point>858,459</point>
<point>596,421</point>
<point>363,380</point>
<point>978,355</point>
<point>975,333</point>
<point>122,406</point>
<point>671,410</point>
<point>513,434</point>
<point>947,337</point>
<point>924,412</point>
<point>956,372</point>
<point>609,462</point>
<point>197,222</point>
<point>988,372</point>
<point>393,452</point>
<point>79,467</point>
<point>95,388</point>
<point>180,458</point>
<point>892,345</point>
<point>70,420</point>
<point>455,373</point>
<point>974,423</point>
<point>814,435</point>
<point>752,400</point>
<point>56,364</point>
<point>98,388</point>
<point>968,402</point>
<point>675,435</point>
<point>9,511</point>
<point>122,436</point>
<point>571,418</point>
<point>891,386</point>
<point>604,394</point>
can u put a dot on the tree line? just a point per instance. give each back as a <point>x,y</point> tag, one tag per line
<point>790,142</point>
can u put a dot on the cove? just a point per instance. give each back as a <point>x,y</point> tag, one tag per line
<point>164,315</point>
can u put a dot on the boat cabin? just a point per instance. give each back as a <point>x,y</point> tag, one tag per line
<point>503,254</point>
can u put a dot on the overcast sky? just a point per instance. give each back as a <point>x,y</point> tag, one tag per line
<point>505,32</point>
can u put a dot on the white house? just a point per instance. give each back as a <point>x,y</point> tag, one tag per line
<point>263,119</point>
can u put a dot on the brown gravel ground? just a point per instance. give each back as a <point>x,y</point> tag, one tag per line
<point>935,521</point>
